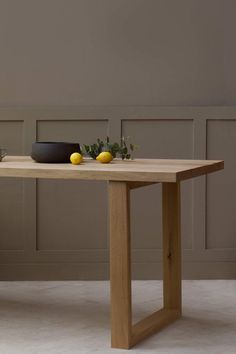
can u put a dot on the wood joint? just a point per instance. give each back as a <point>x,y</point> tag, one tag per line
<point>153,324</point>
<point>134,185</point>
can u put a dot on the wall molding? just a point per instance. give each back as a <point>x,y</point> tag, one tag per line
<point>33,263</point>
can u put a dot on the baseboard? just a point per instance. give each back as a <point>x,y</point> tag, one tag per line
<point>100,271</point>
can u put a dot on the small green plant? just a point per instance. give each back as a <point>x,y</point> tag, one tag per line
<point>123,150</point>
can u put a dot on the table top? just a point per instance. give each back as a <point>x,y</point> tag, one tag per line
<point>143,170</point>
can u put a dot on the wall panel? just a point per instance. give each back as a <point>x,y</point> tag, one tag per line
<point>71,215</point>
<point>11,191</point>
<point>221,191</point>
<point>159,138</point>
<point>76,130</point>
<point>58,229</point>
<point>75,209</point>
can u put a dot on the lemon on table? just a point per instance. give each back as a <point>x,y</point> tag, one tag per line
<point>104,157</point>
<point>76,158</point>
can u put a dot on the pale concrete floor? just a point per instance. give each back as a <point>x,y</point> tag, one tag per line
<point>73,317</point>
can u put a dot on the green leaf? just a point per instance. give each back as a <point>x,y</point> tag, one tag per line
<point>123,149</point>
<point>87,149</point>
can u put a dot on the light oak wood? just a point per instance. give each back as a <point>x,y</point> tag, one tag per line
<point>125,335</point>
<point>139,170</point>
<point>152,324</point>
<point>171,246</point>
<point>120,265</point>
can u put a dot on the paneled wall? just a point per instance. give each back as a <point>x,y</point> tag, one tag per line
<point>58,229</point>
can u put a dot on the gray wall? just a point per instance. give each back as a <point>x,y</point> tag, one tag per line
<point>117,52</point>
<point>113,63</point>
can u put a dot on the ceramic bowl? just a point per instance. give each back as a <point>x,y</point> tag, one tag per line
<point>53,152</point>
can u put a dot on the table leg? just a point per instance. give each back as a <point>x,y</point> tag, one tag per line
<point>171,246</point>
<point>123,333</point>
<point>120,265</point>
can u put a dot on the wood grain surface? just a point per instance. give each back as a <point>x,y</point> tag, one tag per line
<point>147,170</point>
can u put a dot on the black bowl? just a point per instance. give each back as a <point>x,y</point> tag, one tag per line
<point>53,152</point>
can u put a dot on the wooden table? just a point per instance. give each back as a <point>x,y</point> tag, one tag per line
<point>123,176</point>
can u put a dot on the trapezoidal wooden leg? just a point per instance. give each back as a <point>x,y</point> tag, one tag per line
<point>123,333</point>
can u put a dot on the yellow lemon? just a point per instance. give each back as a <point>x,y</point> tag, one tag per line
<point>76,158</point>
<point>104,157</point>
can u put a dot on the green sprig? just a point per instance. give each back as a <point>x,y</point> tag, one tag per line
<point>123,149</point>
